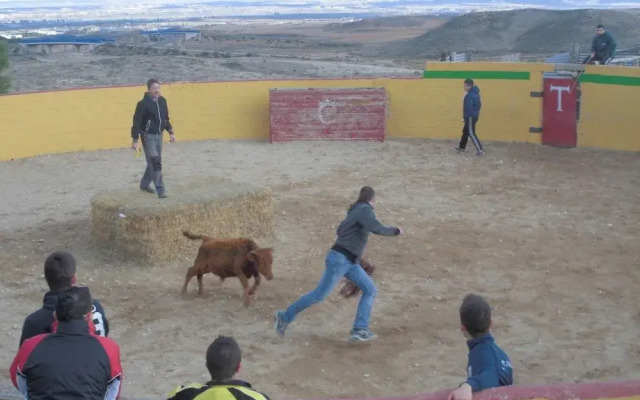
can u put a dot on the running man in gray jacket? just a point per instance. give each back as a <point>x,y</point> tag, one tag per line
<point>343,260</point>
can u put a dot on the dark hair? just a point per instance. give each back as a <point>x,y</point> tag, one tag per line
<point>475,315</point>
<point>468,81</point>
<point>600,26</point>
<point>366,194</point>
<point>223,358</point>
<point>150,83</point>
<point>59,269</point>
<point>73,303</point>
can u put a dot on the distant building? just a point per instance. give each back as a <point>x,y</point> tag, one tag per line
<point>10,35</point>
<point>62,43</point>
<point>171,34</point>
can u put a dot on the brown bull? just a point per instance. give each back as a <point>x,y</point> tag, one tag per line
<point>228,258</point>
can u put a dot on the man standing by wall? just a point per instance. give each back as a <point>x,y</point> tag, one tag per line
<point>471,105</point>
<point>603,47</point>
<point>150,119</point>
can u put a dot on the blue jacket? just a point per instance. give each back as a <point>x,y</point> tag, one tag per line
<point>488,365</point>
<point>472,103</point>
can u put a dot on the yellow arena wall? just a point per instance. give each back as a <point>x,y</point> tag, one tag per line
<point>610,98</point>
<point>427,107</point>
<point>508,110</point>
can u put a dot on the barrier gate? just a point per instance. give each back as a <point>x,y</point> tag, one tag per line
<point>560,112</point>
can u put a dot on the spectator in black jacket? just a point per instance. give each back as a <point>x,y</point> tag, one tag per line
<point>60,274</point>
<point>69,363</point>
<point>150,119</point>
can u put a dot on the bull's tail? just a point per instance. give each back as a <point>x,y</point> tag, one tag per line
<point>194,237</point>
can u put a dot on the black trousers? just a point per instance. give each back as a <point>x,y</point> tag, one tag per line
<point>469,131</point>
<point>604,59</point>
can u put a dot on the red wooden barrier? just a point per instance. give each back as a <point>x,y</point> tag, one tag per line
<point>571,391</point>
<point>327,114</point>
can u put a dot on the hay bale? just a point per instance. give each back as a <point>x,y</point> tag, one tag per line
<point>138,225</point>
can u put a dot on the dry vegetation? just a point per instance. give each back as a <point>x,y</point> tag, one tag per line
<point>223,53</point>
<point>138,228</point>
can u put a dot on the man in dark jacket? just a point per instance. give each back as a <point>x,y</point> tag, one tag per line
<point>603,47</point>
<point>150,119</point>
<point>70,363</point>
<point>488,366</point>
<point>343,260</point>
<point>60,274</point>
<point>470,113</point>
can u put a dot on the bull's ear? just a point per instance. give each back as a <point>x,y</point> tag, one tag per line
<point>252,256</point>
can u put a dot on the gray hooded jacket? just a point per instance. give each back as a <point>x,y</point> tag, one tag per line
<point>354,230</point>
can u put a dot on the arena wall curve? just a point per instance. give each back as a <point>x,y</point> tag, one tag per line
<point>421,107</point>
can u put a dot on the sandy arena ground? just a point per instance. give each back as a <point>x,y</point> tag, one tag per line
<point>550,236</point>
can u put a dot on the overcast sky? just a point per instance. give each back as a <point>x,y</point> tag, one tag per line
<point>31,3</point>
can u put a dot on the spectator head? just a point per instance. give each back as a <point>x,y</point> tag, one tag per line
<point>475,316</point>
<point>600,29</point>
<point>224,358</point>
<point>60,270</point>
<point>468,84</point>
<point>367,195</point>
<point>73,303</point>
<point>154,87</point>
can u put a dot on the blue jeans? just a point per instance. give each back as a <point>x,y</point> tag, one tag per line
<point>338,266</point>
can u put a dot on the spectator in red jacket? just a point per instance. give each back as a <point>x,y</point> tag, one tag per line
<point>69,363</point>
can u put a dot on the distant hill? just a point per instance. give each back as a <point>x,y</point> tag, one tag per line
<point>525,31</point>
<point>370,24</point>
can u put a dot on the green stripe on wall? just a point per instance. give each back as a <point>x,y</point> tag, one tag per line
<point>610,79</point>
<point>511,75</point>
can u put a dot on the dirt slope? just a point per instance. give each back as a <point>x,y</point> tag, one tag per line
<point>526,31</point>
<point>412,21</point>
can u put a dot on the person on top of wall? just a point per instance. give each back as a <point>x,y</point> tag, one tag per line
<point>150,119</point>
<point>603,47</point>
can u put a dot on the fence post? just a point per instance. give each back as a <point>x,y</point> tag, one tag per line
<point>574,53</point>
